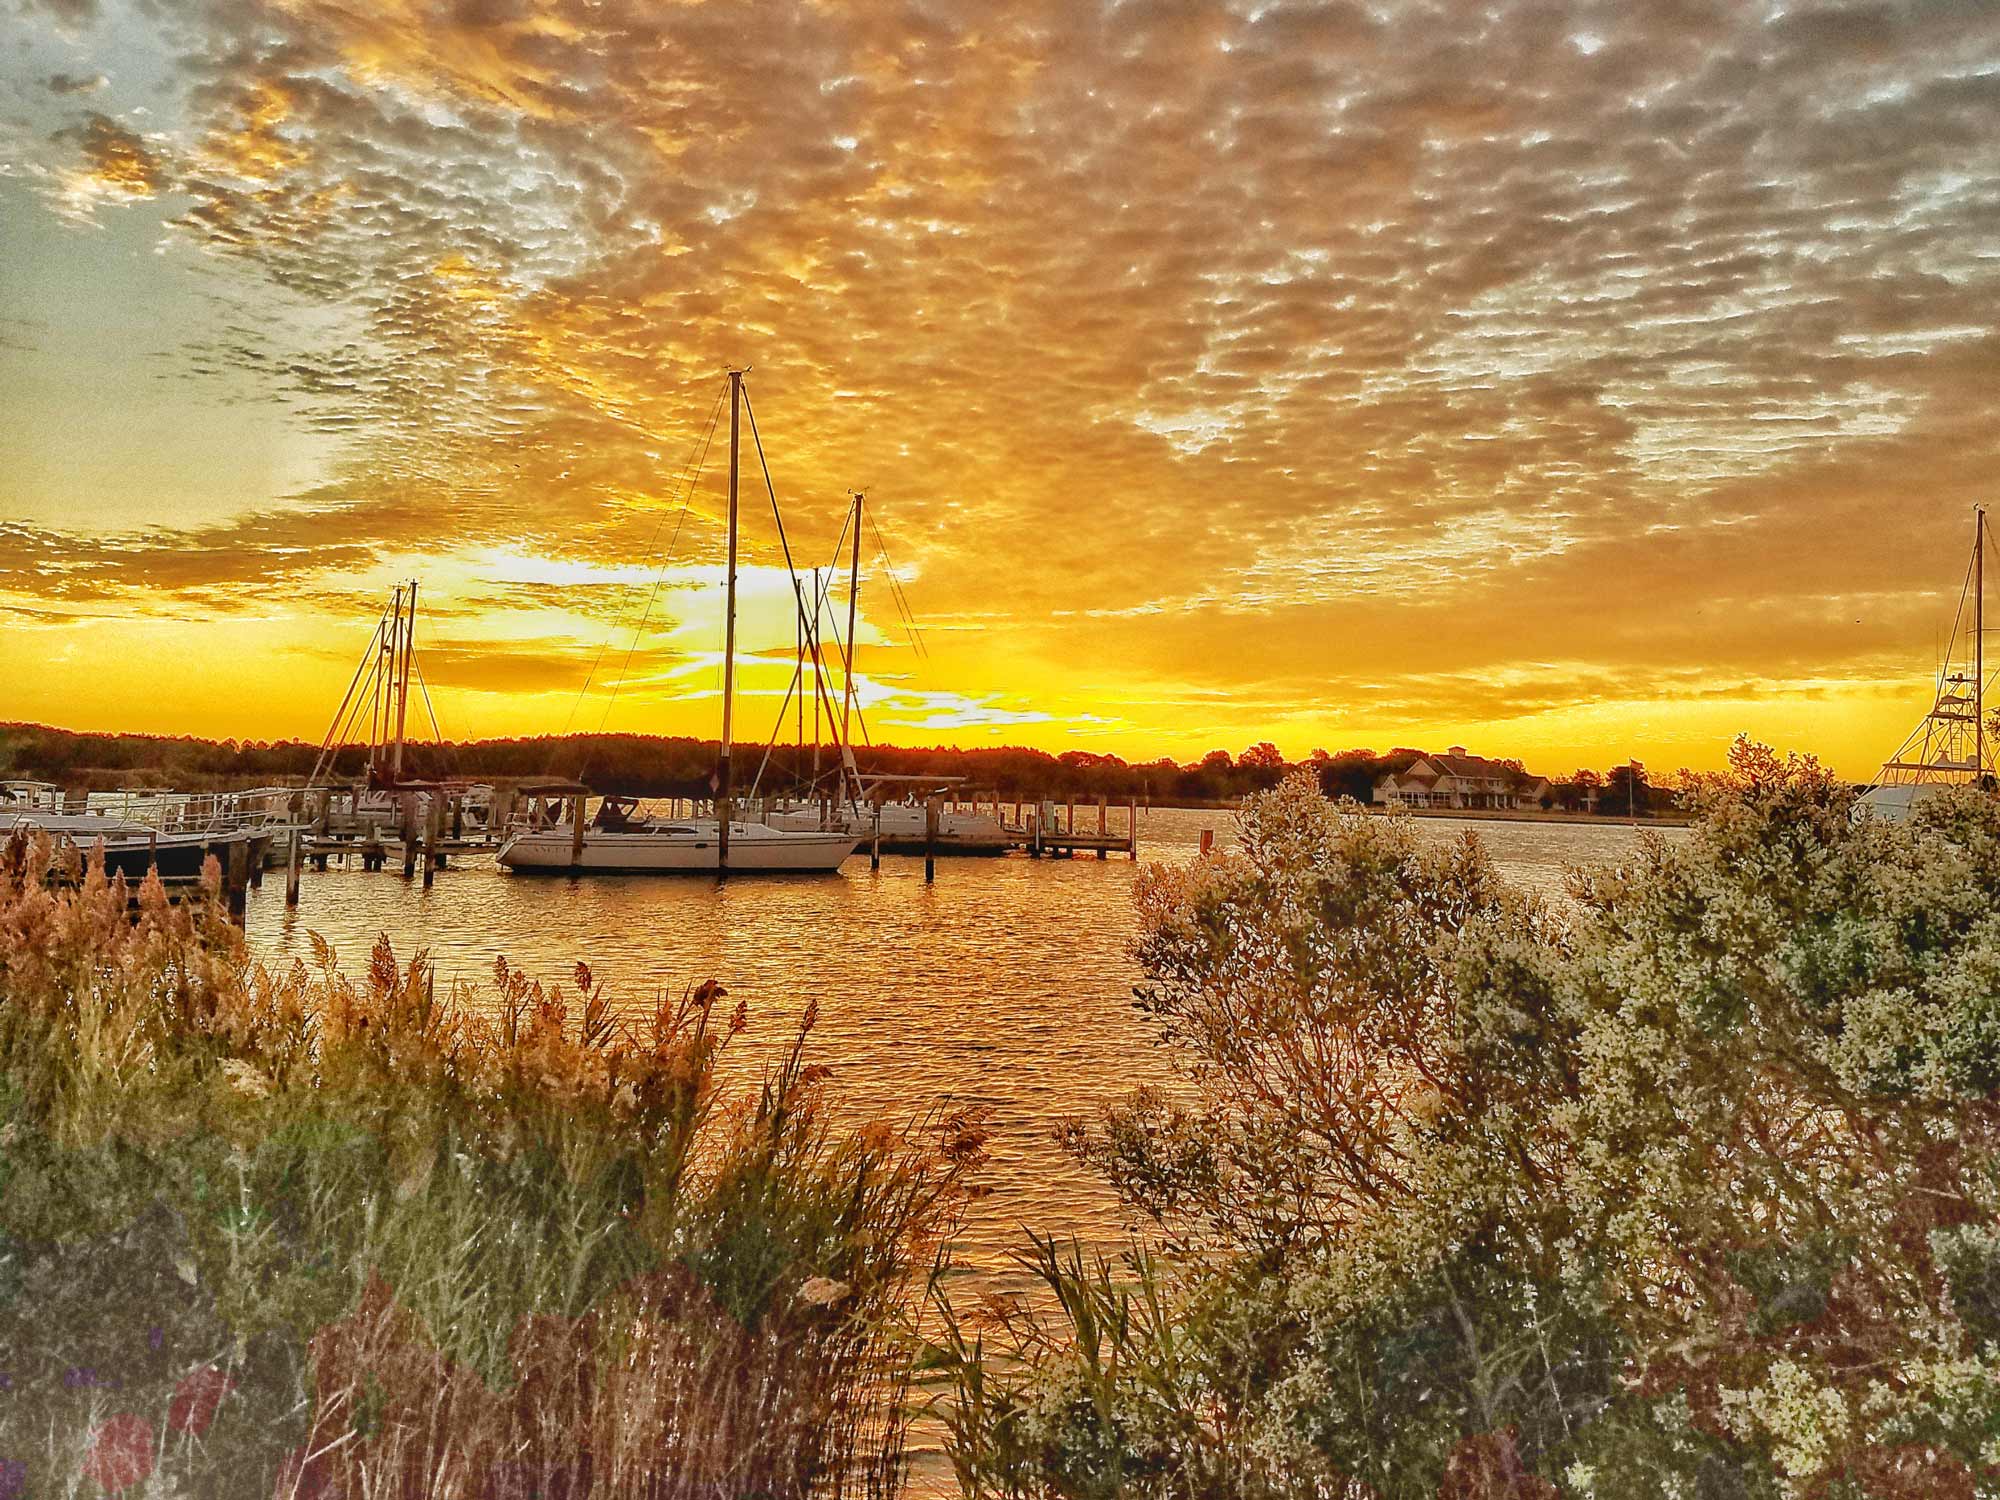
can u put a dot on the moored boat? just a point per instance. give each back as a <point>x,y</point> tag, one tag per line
<point>618,842</point>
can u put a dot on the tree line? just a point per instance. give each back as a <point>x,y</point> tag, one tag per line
<point>656,765</point>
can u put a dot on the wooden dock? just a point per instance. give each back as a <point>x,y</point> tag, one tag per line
<point>1045,829</point>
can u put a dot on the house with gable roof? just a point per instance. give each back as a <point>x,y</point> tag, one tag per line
<point>1457,779</point>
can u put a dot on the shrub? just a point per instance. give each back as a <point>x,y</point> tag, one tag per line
<point>1688,1187</point>
<point>316,1235</point>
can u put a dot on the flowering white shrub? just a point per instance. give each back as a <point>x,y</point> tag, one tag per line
<point>1686,1187</point>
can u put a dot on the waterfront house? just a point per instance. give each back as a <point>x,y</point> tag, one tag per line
<point>1459,780</point>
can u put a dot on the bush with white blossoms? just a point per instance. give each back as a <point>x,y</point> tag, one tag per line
<point>1688,1185</point>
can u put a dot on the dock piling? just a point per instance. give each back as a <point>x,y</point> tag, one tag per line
<point>930,839</point>
<point>294,852</point>
<point>236,879</point>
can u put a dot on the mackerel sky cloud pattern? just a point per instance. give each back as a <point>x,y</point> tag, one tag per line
<point>1578,377</point>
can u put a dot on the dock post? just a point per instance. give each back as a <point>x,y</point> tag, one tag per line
<point>235,878</point>
<point>1072,812</point>
<point>430,842</point>
<point>153,852</point>
<point>576,832</point>
<point>409,836</point>
<point>1035,846</point>
<point>1132,829</point>
<point>1103,827</point>
<point>875,844</point>
<point>930,839</point>
<point>295,854</point>
<point>1207,840</point>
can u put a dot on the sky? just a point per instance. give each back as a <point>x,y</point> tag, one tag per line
<point>1566,380</point>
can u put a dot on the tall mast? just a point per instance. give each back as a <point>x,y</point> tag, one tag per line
<point>853,594</point>
<point>722,807</point>
<point>385,686</point>
<point>1978,643</point>
<point>819,609</point>
<point>409,634</point>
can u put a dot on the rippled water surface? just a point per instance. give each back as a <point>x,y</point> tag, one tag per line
<point>1006,983</point>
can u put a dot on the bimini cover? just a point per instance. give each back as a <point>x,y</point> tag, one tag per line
<point>1893,803</point>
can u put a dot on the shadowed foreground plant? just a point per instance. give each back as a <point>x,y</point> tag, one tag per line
<point>1691,1188</point>
<point>320,1236</point>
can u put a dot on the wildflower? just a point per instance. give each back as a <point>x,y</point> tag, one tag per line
<point>121,1452</point>
<point>197,1398</point>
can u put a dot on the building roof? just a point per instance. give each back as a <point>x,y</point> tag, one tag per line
<point>1472,767</point>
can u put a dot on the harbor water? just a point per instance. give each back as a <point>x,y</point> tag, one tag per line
<point>1006,984</point>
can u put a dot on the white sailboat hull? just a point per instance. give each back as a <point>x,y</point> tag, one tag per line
<point>904,830</point>
<point>679,849</point>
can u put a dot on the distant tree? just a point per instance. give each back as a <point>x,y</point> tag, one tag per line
<point>1626,791</point>
<point>1352,773</point>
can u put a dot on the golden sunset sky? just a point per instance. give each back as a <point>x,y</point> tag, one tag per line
<point>1567,380</point>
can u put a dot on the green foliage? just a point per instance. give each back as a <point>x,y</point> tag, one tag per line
<point>395,1235</point>
<point>1690,1185</point>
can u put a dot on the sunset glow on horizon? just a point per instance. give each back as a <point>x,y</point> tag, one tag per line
<point>1571,381</point>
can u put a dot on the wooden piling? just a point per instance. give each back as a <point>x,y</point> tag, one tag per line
<point>1207,840</point>
<point>295,855</point>
<point>930,838</point>
<point>236,879</point>
<point>1103,828</point>
<point>576,832</point>
<point>1132,829</point>
<point>431,822</point>
<point>875,843</point>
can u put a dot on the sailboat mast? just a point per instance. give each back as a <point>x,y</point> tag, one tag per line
<point>409,634</point>
<point>819,610</point>
<point>853,594</point>
<point>385,687</point>
<point>1978,643</point>
<point>722,800</point>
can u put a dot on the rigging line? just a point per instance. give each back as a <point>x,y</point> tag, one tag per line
<point>693,478</point>
<point>798,671</point>
<point>896,592</point>
<point>797,592</point>
<point>366,700</point>
<point>437,734</point>
<point>367,656</point>
<point>701,445</point>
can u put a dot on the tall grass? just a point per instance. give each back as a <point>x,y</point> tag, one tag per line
<point>301,1233</point>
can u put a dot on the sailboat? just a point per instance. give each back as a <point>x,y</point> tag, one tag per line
<point>887,810</point>
<point>619,841</point>
<point>1949,746</point>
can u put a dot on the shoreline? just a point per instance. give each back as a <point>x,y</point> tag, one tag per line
<point>1466,814</point>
